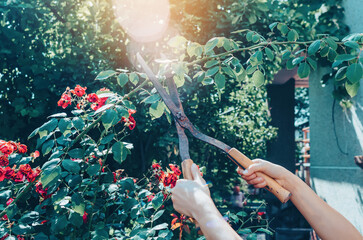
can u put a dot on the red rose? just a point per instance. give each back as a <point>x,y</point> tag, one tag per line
<point>8,172</point>
<point>170,180</point>
<point>35,154</point>
<point>19,177</point>
<point>156,166</point>
<point>25,169</point>
<point>92,97</point>
<point>2,174</point>
<point>4,161</point>
<point>22,148</point>
<point>44,221</point>
<point>79,91</point>
<point>7,148</point>
<point>175,169</point>
<point>65,100</point>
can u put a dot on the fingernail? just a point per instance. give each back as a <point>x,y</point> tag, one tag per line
<point>245,171</point>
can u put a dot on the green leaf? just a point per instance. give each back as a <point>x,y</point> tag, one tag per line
<point>64,124</point>
<point>122,79</point>
<point>210,44</point>
<point>47,147</point>
<point>93,169</point>
<point>289,64</point>
<point>211,63</point>
<point>50,177</point>
<point>304,70</point>
<point>134,78</point>
<point>283,28</point>
<point>340,75</point>
<point>258,78</point>
<point>78,123</point>
<point>157,200</point>
<point>352,44</point>
<point>71,166</point>
<point>354,72</point>
<point>212,71</point>
<point>76,153</point>
<point>160,226</point>
<point>33,133</point>
<point>331,43</point>
<point>179,80</point>
<point>344,57</point>
<point>50,125</point>
<point>105,74</point>
<point>119,152</point>
<point>313,64</point>
<point>265,231</point>
<point>156,109</point>
<point>177,41</point>
<point>332,55</point>
<point>297,60</point>
<point>286,55</point>
<point>352,89</point>
<point>29,217</point>
<point>292,36</point>
<point>255,38</point>
<point>249,36</point>
<point>151,99</point>
<point>220,80</point>
<point>272,26</point>
<point>207,81</point>
<point>108,118</point>
<point>314,47</point>
<point>158,214</point>
<point>75,219</point>
<point>325,51</point>
<point>107,138</point>
<point>269,53</point>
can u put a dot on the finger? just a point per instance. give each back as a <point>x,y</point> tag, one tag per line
<point>261,185</point>
<point>247,178</point>
<point>196,174</point>
<point>256,181</point>
<point>257,166</point>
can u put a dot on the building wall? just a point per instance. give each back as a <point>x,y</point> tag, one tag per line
<point>335,177</point>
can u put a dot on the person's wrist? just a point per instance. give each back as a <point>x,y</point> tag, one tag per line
<point>205,208</point>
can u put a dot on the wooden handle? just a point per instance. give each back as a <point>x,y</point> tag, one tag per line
<point>276,189</point>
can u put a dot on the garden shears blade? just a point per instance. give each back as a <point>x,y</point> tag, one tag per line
<point>182,122</point>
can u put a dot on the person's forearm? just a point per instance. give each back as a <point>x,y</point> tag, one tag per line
<point>213,225</point>
<point>326,221</point>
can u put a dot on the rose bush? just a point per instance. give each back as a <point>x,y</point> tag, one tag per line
<point>81,192</point>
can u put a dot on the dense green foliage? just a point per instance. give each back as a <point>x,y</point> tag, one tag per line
<point>226,52</point>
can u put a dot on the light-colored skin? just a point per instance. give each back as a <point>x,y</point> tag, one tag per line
<point>192,198</point>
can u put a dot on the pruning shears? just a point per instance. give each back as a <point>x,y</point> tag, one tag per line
<point>182,122</point>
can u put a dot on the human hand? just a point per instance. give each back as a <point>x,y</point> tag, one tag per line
<point>190,197</point>
<point>277,172</point>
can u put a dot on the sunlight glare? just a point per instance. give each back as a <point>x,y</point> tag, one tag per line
<point>143,20</point>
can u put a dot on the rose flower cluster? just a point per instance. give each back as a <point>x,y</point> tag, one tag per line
<point>24,171</point>
<point>170,177</point>
<point>79,96</point>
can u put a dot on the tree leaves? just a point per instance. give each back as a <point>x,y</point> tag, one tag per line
<point>304,70</point>
<point>314,47</point>
<point>258,78</point>
<point>119,152</point>
<point>122,79</point>
<point>105,74</point>
<point>354,72</point>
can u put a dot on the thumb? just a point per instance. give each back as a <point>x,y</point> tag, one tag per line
<point>196,174</point>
